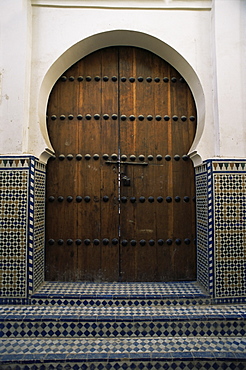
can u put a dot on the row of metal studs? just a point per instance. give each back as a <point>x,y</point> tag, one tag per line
<point>122,79</point>
<point>123,117</point>
<point>123,158</point>
<point>123,199</point>
<point>115,241</point>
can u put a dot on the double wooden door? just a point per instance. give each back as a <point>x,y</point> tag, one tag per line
<point>120,188</point>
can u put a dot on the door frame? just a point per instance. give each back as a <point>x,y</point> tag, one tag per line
<point>151,263</point>
<point>118,38</point>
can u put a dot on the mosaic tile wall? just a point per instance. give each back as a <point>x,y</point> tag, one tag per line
<point>22,215</point>
<point>39,222</point>
<point>14,188</point>
<point>229,179</point>
<point>202,225</point>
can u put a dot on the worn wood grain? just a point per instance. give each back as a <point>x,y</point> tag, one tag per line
<point>138,241</point>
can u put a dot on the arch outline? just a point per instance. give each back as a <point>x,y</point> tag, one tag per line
<point>122,38</point>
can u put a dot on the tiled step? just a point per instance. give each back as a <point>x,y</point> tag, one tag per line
<point>117,354</point>
<point>121,326</point>
<point>121,294</point>
<point>122,322</point>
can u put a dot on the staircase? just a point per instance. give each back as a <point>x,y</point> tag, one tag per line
<point>122,326</point>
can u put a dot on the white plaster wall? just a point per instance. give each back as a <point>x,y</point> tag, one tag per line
<point>15,71</point>
<point>229,53</point>
<point>211,41</point>
<point>55,30</point>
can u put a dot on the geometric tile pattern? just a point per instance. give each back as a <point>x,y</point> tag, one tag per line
<point>124,351</point>
<point>22,214</point>
<point>188,363</point>
<point>105,302</point>
<point>142,290</point>
<point>210,229</point>
<point>39,225</point>
<point>118,322</point>
<point>120,294</point>
<point>202,225</point>
<point>229,228</point>
<point>30,226</point>
<point>111,347</point>
<point>124,329</point>
<point>14,179</point>
<point>213,312</point>
<point>221,225</point>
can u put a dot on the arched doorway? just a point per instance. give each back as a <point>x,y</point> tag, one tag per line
<point>120,189</point>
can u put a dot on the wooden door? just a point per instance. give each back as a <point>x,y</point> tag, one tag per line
<point>120,187</point>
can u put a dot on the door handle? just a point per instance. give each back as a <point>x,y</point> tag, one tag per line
<point>128,163</point>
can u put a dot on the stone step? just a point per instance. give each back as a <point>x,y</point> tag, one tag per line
<point>121,294</point>
<point>124,353</point>
<point>116,322</point>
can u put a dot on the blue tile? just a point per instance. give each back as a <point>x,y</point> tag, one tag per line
<point>162,355</point>
<point>182,355</point>
<point>54,356</point>
<point>12,357</point>
<point>30,356</point>
<point>16,317</point>
<point>120,356</point>
<point>226,355</point>
<point>240,355</point>
<point>203,355</point>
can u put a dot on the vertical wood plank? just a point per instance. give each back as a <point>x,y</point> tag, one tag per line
<point>109,173</point>
<point>62,258</point>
